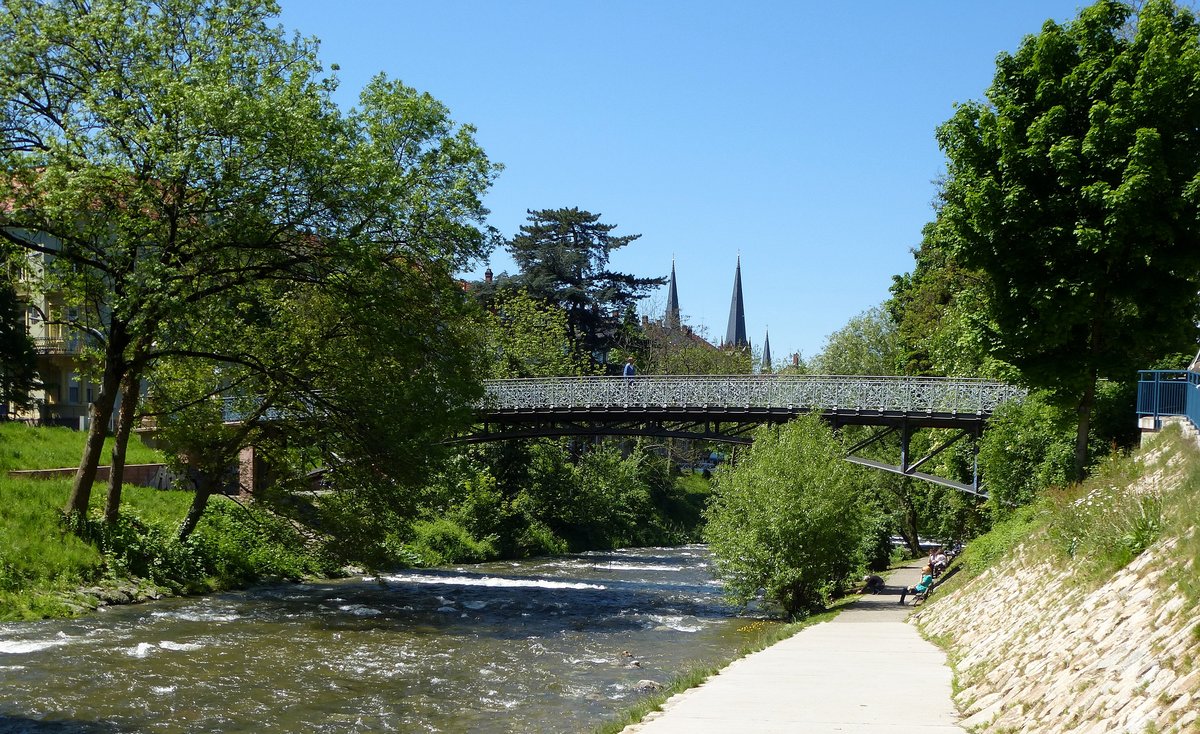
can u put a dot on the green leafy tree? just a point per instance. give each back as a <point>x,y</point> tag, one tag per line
<point>18,364</point>
<point>871,344</point>
<point>1075,191</point>
<point>940,313</point>
<point>789,518</point>
<point>563,257</point>
<point>530,338</point>
<point>868,345</point>
<point>668,349</point>
<point>168,155</point>
<point>1027,449</point>
<point>318,380</point>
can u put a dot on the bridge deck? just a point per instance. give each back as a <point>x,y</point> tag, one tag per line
<point>741,398</point>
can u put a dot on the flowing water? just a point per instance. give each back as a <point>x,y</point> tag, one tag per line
<point>549,645</point>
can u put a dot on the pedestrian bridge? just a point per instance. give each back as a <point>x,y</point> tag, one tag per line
<point>727,407</point>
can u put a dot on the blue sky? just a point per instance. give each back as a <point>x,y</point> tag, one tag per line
<point>800,134</point>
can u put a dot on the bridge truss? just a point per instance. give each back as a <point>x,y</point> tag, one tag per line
<point>727,408</point>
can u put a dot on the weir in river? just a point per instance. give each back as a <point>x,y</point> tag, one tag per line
<point>544,645</point>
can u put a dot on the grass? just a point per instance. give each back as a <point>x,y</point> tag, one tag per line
<point>1099,526</point>
<point>38,557</point>
<point>25,447</point>
<point>759,636</point>
<point>43,565</point>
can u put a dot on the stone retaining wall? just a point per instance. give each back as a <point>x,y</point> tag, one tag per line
<point>1035,652</point>
<point>142,475</point>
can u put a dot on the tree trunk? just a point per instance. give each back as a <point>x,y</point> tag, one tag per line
<point>100,411</point>
<point>1085,423</point>
<point>125,418</point>
<point>911,519</point>
<point>204,486</point>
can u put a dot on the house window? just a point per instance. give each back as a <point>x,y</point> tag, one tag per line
<point>73,388</point>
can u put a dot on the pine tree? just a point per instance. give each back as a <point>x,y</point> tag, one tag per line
<point>563,257</point>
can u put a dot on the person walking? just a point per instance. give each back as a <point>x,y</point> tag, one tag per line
<point>629,368</point>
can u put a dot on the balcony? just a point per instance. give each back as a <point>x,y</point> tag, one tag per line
<point>56,345</point>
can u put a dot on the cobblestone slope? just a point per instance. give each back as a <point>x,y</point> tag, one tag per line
<point>1034,651</point>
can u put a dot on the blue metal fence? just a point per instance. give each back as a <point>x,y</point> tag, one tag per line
<point>1169,393</point>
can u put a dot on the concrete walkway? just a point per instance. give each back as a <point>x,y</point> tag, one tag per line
<point>866,671</point>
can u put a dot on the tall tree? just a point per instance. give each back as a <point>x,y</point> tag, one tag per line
<point>166,154</point>
<point>529,338</point>
<point>868,344</point>
<point>940,311</point>
<point>563,257</point>
<point>18,366</point>
<point>1075,190</point>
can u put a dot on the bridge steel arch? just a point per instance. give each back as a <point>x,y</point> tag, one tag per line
<point>728,407</point>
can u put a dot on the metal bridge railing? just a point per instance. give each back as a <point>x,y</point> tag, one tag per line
<point>798,392</point>
<point>1168,393</point>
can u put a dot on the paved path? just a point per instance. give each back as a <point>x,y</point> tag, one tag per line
<point>867,671</point>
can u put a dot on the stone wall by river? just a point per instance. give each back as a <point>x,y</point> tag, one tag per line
<point>1038,653</point>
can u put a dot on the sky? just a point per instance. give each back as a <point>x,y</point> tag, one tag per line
<point>800,135</point>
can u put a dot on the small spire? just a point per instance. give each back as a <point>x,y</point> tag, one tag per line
<point>766,357</point>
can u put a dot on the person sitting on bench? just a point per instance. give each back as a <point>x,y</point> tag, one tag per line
<point>922,588</point>
<point>938,561</point>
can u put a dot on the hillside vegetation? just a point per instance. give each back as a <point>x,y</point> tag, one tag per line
<point>463,514</point>
<point>46,570</point>
<point>1078,613</point>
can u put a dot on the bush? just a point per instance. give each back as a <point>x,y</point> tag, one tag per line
<point>1030,446</point>
<point>788,518</point>
<point>537,539</point>
<point>441,541</point>
<point>1000,542</point>
<point>562,498</point>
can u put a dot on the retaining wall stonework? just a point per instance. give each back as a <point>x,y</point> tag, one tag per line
<point>1034,652</point>
<point>142,475</point>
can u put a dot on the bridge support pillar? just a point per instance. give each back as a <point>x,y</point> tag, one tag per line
<point>251,471</point>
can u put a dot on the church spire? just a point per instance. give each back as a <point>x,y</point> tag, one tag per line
<point>673,300</point>
<point>735,335</point>
<point>766,359</point>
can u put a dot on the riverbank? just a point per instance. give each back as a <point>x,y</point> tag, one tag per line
<point>48,570</point>
<point>463,517</point>
<point>1081,615</point>
<point>1076,615</point>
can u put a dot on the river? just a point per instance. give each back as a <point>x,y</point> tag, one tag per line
<point>545,645</point>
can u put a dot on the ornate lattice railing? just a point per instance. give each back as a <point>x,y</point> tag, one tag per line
<point>927,395</point>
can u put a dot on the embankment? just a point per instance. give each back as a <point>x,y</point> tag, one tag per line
<point>1049,639</point>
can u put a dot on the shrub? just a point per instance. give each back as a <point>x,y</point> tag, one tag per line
<point>1000,542</point>
<point>1030,446</point>
<point>537,539</point>
<point>441,541</point>
<point>788,518</point>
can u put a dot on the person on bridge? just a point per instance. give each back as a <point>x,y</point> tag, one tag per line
<point>629,369</point>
